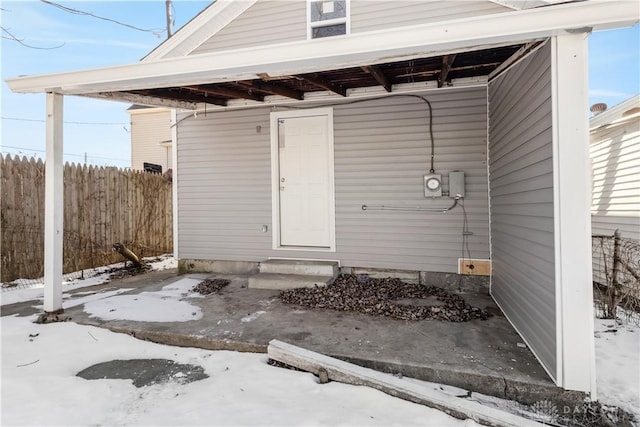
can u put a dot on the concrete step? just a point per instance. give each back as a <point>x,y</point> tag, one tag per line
<point>288,281</point>
<point>303,267</point>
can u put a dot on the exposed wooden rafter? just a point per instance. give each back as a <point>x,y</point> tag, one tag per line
<point>317,80</point>
<point>273,88</point>
<point>227,92</point>
<point>447,62</point>
<point>181,95</point>
<point>379,75</point>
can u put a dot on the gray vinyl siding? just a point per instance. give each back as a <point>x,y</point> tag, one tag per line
<point>148,129</point>
<point>367,15</point>
<point>279,21</point>
<point>266,22</point>
<point>615,159</point>
<point>381,154</point>
<point>522,211</point>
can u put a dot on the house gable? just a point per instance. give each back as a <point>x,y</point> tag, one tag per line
<point>199,29</point>
<point>236,24</point>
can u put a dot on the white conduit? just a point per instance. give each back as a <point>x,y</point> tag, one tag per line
<point>407,209</point>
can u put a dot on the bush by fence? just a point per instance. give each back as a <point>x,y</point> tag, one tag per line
<point>101,206</point>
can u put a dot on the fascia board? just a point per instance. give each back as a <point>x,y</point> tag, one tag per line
<point>614,112</point>
<point>200,29</point>
<point>339,52</point>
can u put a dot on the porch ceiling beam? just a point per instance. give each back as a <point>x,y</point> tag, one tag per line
<point>447,62</point>
<point>371,47</point>
<point>464,68</point>
<point>317,80</point>
<point>228,92</point>
<point>379,75</point>
<point>521,53</point>
<point>273,89</point>
<point>181,96</point>
<point>151,101</point>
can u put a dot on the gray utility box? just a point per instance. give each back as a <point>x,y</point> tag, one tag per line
<point>433,185</point>
<point>456,184</point>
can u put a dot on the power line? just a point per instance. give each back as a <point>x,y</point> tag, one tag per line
<point>21,41</point>
<point>21,119</point>
<point>155,31</point>
<point>66,154</point>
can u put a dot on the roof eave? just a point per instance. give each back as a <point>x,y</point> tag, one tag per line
<point>338,52</point>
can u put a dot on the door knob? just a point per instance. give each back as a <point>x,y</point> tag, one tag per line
<point>281,179</point>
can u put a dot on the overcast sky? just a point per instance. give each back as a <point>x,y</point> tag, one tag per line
<point>101,128</point>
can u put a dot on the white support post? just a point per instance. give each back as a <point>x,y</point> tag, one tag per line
<point>53,219</point>
<point>572,200</point>
<point>174,178</point>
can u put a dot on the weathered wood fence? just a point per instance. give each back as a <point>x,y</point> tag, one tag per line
<point>101,206</point>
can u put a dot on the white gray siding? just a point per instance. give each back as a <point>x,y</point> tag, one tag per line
<point>615,159</point>
<point>266,22</point>
<point>521,190</point>
<point>381,153</point>
<point>279,21</point>
<point>367,15</point>
<point>148,129</point>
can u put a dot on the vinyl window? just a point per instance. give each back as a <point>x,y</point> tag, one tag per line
<point>327,18</point>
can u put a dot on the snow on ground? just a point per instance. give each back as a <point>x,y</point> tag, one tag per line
<point>39,386</point>
<point>30,289</point>
<point>161,306</point>
<point>618,363</point>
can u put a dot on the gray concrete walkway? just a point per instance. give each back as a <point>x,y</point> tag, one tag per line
<point>480,356</point>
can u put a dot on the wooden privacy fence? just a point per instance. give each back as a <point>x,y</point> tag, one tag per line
<point>101,206</point>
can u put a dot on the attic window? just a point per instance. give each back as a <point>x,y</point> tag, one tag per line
<point>327,18</point>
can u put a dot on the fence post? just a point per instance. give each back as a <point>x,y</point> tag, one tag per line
<point>615,291</point>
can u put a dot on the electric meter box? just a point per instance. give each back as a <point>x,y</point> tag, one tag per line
<point>433,185</point>
<point>456,184</point>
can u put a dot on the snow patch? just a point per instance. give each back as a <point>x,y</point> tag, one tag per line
<point>165,305</point>
<point>618,364</point>
<point>33,289</point>
<point>241,389</point>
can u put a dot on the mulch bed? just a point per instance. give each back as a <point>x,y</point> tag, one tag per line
<point>379,297</point>
<point>210,286</point>
<point>129,270</point>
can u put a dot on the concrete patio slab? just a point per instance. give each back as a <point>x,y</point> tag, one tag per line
<point>480,356</point>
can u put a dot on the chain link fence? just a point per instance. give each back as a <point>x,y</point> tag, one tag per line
<point>616,276</point>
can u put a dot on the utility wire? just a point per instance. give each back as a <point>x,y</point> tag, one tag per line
<point>21,41</point>
<point>20,119</point>
<point>66,154</point>
<point>155,31</point>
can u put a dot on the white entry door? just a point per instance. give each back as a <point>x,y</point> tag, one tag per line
<point>305,163</point>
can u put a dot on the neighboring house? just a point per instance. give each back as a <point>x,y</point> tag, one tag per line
<point>309,137</point>
<point>150,138</point>
<point>615,159</point>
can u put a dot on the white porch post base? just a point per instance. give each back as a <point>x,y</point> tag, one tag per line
<point>572,203</point>
<point>54,191</point>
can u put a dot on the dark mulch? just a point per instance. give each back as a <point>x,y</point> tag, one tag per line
<point>380,297</point>
<point>210,286</point>
<point>128,270</point>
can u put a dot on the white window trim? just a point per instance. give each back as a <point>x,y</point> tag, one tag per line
<point>275,178</point>
<point>318,24</point>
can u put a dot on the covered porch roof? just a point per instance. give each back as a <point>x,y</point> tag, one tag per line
<point>477,47</point>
